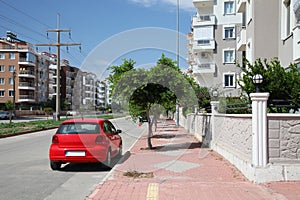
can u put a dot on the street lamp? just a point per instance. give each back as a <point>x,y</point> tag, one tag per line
<point>257,80</point>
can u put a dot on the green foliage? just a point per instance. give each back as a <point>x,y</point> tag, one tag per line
<point>280,83</point>
<point>9,105</point>
<point>117,72</point>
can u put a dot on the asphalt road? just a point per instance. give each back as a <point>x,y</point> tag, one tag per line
<point>25,172</point>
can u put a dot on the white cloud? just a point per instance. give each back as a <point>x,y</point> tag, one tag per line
<point>183,4</point>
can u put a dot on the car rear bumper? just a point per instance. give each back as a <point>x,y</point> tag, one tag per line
<point>95,154</point>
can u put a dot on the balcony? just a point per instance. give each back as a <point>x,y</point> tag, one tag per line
<point>203,3</point>
<point>24,61</point>
<point>26,86</point>
<point>204,20</point>
<point>204,68</point>
<point>296,43</point>
<point>26,74</point>
<point>241,40</point>
<point>203,45</point>
<point>241,6</point>
<point>26,98</point>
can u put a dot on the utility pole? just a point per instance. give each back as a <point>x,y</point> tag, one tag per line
<point>58,45</point>
<point>177,60</point>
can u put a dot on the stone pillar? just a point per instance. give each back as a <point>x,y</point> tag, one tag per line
<point>259,129</point>
<point>214,111</point>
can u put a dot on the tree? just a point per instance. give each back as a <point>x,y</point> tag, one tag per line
<point>141,89</point>
<point>118,71</point>
<point>9,105</point>
<point>279,82</point>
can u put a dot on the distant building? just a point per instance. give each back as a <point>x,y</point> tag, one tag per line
<point>19,68</point>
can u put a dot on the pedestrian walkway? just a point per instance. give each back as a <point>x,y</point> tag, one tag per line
<point>178,168</point>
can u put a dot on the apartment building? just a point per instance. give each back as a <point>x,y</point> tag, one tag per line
<point>270,28</point>
<point>19,72</point>
<point>89,90</point>
<point>101,88</point>
<point>212,53</point>
<point>33,77</point>
<point>225,31</point>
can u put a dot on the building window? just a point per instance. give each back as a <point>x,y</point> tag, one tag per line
<point>10,93</point>
<point>12,56</point>
<point>11,81</point>
<point>2,68</point>
<point>229,56</point>
<point>228,7</point>
<point>229,32</point>
<point>2,93</point>
<point>1,81</point>
<point>2,56</point>
<point>11,68</point>
<point>229,80</point>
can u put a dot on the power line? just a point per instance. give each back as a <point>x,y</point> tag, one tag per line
<point>24,13</point>
<point>58,44</point>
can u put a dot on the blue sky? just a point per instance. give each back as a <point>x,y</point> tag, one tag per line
<point>94,22</point>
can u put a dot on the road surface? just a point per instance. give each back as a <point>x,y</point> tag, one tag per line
<point>25,171</point>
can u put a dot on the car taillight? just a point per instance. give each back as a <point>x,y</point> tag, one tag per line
<point>54,139</point>
<point>101,140</point>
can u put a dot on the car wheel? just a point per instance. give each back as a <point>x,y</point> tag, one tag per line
<point>55,165</point>
<point>107,162</point>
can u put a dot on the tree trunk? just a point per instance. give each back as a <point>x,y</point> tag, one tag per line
<point>149,130</point>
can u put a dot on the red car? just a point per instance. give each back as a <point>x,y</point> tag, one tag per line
<point>83,141</point>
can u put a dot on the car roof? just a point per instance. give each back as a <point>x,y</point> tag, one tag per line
<point>84,120</point>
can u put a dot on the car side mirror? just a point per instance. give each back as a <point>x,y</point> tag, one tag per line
<point>119,131</point>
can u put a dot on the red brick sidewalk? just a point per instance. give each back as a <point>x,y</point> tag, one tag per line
<point>179,169</point>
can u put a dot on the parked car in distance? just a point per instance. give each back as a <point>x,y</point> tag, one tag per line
<point>6,114</point>
<point>85,140</point>
<point>71,113</point>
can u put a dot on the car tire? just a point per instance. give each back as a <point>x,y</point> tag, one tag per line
<point>55,165</point>
<point>107,162</point>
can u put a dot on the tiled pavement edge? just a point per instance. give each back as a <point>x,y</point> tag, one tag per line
<point>179,169</point>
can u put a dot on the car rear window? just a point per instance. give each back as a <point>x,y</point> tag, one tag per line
<point>79,128</point>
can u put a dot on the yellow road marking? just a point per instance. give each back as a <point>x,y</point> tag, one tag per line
<point>152,193</point>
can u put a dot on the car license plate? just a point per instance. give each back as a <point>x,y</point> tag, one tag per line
<point>75,153</point>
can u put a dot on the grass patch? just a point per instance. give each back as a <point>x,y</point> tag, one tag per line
<point>136,174</point>
<point>20,127</point>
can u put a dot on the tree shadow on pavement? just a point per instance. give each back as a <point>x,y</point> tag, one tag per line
<point>174,147</point>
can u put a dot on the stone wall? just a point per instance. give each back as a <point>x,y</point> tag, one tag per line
<point>234,132</point>
<point>231,136</point>
<point>284,138</point>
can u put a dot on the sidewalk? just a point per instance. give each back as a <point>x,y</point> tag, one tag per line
<point>179,169</point>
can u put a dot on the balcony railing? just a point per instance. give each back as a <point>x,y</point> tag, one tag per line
<point>204,20</point>
<point>204,68</point>
<point>241,40</point>
<point>27,73</point>
<point>26,84</point>
<point>203,3</point>
<point>26,98</point>
<point>296,43</point>
<point>204,44</point>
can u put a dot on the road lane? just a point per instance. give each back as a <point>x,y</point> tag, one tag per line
<point>25,171</point>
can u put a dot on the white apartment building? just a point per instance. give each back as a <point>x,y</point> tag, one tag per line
<point>212,53</point>
<point>271,28</point>
<point>225,31</point>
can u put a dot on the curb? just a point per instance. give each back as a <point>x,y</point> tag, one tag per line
<point>124,156</point>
